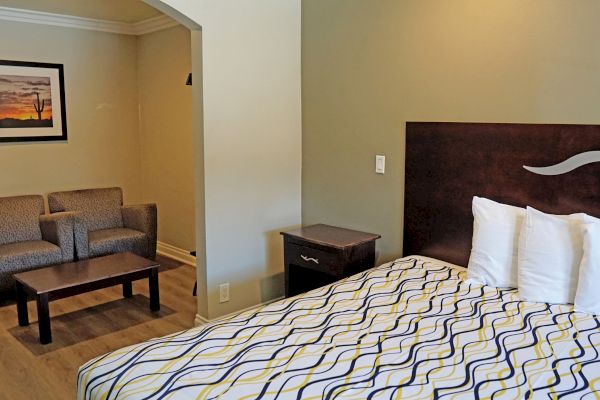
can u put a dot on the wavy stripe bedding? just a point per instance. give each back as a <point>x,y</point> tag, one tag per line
<point>410,329</point>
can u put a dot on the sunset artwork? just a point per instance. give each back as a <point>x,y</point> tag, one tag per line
<point>25,102</point>
<point>32,102</point>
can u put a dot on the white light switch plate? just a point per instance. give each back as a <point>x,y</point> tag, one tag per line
<point>380,164</point>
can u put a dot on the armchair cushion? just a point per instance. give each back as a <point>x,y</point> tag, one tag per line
<point>116,240</point>
<point>24,256</point>
<point>19,218</point>
<point>99,208</point>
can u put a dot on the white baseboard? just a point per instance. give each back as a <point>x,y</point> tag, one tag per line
<point>200,320</point>
<point>181,255</point>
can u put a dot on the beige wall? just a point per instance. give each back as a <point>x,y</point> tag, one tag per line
<point>147,150</point>
<point>101,105</point>
<point>370,66</point>
<point>252,144</point>
<point>164,61</point>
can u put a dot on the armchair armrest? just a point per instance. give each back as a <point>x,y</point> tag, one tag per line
<point>80,232</point>
<point>58,229</point>
<point>142,218</point>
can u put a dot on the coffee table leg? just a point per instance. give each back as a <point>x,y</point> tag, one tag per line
<point>22,305</point>
<point>44,318</point>
<point>154,296</point>
<point>127,289</point>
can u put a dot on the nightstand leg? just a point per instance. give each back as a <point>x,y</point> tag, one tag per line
<point>22,305</point>
<point>287,281</point>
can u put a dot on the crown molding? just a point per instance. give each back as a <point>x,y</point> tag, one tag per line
<point>68,21</point>
<point>154,24</point>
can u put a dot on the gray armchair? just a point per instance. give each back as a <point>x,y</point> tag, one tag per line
<point>102,225</point>
<point>29,239</point>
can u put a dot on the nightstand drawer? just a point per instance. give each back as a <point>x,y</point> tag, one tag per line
<point>314,259</point>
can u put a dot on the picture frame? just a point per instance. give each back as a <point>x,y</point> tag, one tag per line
<point>32,102</point>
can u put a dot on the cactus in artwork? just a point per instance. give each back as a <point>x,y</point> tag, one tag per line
<point>39,108</point>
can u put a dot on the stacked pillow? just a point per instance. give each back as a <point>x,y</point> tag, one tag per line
<point>496,228</point>
<point>549,258</point>
<point>587,297</point>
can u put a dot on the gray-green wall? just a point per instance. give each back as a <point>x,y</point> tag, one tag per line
<point>368,66</point>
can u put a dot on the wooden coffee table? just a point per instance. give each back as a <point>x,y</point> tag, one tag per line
<point>65,280</point>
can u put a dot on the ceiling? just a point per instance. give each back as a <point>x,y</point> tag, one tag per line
<point>129,11</point>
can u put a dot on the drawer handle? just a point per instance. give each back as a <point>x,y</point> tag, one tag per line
<point>315,260</point>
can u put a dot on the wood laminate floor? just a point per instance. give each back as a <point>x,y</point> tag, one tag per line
<point>87,326</point>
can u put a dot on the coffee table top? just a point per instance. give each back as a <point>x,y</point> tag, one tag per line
<point>78,273</point>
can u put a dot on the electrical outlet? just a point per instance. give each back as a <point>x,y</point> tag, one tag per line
<point>224,293</point>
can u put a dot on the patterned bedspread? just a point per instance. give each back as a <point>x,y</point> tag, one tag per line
<point>411,329</point>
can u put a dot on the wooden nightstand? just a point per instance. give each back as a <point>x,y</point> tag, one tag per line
<point>318,255</point>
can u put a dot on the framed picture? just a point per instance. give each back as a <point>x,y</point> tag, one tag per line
<point>32,102</point>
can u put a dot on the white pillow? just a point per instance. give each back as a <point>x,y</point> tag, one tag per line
<point>496,229</point>
<point>550,251</point>
<point>587,298</point>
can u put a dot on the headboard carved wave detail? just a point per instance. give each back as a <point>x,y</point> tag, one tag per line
<point>578,160</point>
<point>449,163</point>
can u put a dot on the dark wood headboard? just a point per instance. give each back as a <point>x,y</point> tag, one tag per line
<point>449,163</point>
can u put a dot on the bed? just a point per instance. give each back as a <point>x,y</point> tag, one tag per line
<point>412,328</point>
